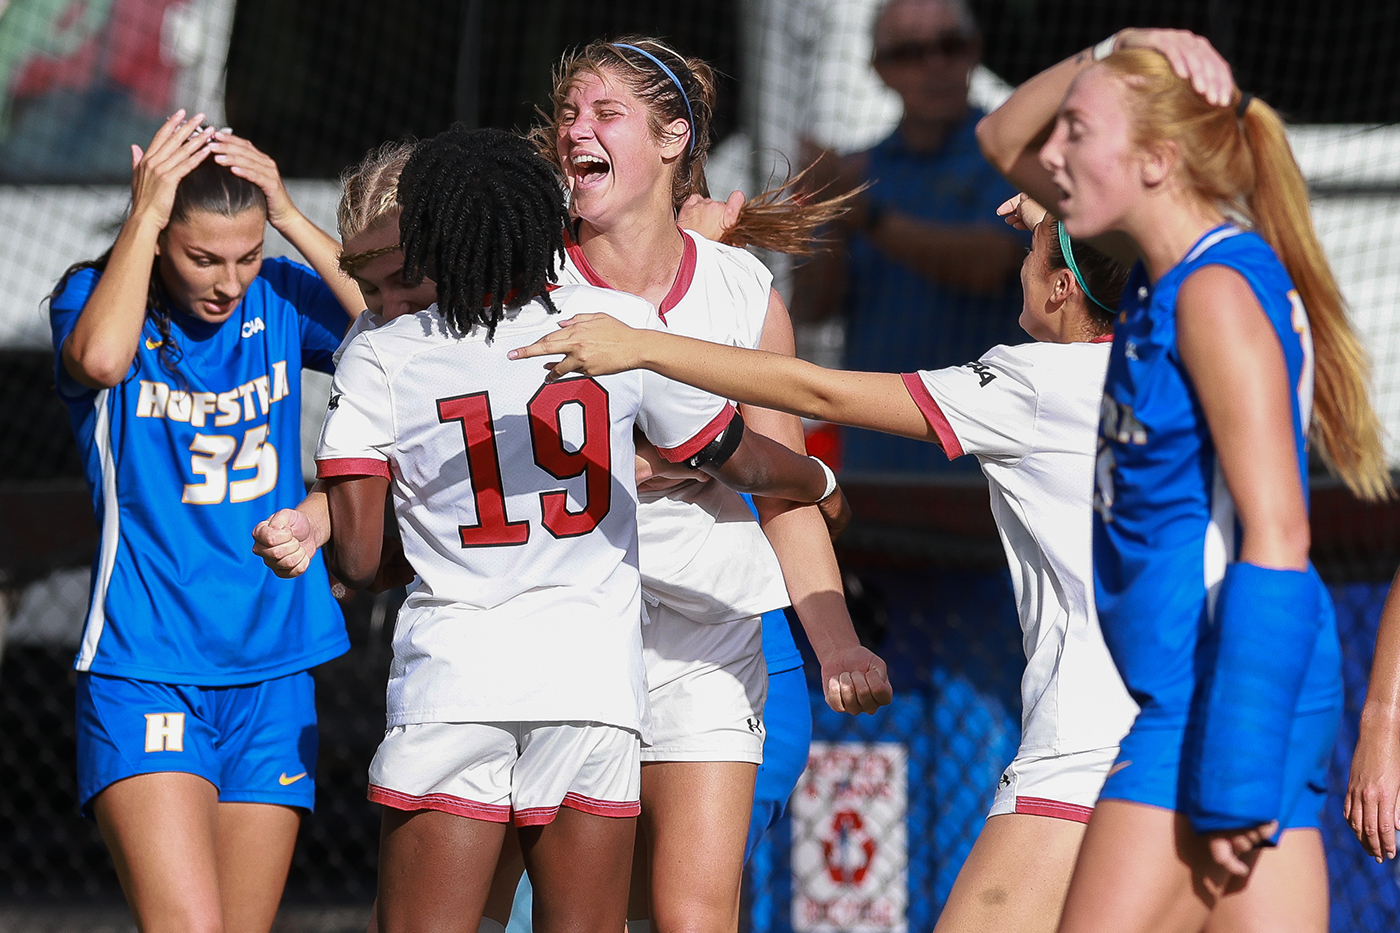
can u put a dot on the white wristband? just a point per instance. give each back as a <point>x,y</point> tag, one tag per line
<point>1105,48</point>
<point>830,478</point>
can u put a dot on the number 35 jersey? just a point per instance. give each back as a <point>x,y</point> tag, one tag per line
<point>516,501</point>
<point>182,465</point>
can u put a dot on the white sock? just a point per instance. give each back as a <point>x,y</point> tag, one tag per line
<point>490,926</point>
<point>638,926</point>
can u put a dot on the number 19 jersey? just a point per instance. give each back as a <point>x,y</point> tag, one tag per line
<point>516,501</point>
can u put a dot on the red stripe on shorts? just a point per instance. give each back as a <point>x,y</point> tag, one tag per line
<point>457,806</point>
<point>539,816</point>
<point>1042,806</point>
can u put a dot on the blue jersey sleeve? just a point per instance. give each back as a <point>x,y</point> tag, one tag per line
<point>323,320</point>
<point>64,311</point>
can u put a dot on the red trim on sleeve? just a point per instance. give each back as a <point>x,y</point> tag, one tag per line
<point>1043,806</point>
<point>352,466</point>
<point>933,415</point>
<point>697,443</point>
<point>684,276</point>
<point>457,806</point>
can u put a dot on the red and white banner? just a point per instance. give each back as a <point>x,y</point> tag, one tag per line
<point>849,842</point>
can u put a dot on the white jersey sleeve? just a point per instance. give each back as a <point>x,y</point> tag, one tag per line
<point>988,408</point>
<point>357,438</point>
<point>367,320</point>
<point>678,419</point>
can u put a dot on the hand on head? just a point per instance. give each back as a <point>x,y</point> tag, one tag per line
<point>177,147</point>
<point>246,161</point>
<point>1191,56</point>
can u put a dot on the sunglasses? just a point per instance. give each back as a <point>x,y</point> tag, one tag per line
<point>948,45</point>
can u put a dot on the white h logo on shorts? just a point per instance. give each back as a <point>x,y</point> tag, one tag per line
<point>165,732</point>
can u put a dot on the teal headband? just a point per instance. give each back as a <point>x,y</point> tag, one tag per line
<point>1068,252</point>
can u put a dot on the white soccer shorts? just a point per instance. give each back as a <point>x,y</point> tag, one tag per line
<point>508,771</point>
<point>1062,786</point>
<point>706,686</point>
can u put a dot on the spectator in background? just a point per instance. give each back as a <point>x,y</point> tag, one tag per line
<point>921,270</point>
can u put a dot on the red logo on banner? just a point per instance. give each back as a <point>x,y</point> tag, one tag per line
<point>848,848</point>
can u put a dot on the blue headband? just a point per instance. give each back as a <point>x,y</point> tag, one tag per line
<point>674,80</point>
<point>1068,252</point>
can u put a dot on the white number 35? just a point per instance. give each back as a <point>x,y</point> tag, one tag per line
<point>209,458</point>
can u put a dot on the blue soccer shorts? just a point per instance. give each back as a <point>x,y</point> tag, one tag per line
<point>788,716</point>
<point>256,743</point>
<point>1149,771</point>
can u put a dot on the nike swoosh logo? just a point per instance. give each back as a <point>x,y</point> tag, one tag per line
<point>284,780</point>
<point>153,344</point>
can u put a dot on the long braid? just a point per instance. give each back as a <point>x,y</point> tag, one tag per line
<point>484,215</point>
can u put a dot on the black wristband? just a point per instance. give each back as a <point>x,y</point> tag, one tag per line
<point>719,450</point>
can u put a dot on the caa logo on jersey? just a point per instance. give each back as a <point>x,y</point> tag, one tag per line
<point>255,326</point>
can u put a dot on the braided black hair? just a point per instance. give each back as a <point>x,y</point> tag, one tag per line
<point>209,187</point>
<point>483,215</point>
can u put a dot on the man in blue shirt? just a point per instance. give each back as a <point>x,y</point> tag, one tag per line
<point>922,270</point>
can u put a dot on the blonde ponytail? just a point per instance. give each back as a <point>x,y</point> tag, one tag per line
<point>1345,427</point>
<point>1244,164</point>
<point>786,219</point>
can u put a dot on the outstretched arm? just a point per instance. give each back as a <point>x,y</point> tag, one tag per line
<point>854,679</point>
<point>597,344</point>
<point>1373,793</point>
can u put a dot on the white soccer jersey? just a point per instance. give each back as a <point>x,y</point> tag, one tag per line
<point>516,503</point>
<point>365,320</point>
<point>702,553</point>
<point>1030,415</point>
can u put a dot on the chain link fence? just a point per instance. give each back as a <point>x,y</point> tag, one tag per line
<point>892,803</point>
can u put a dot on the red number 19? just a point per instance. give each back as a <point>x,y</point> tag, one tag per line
<point>593,459</point>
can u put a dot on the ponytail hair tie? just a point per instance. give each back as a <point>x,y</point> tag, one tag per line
<point>690,114</point>
<point>1068,251</point>
<point>1243,105</point>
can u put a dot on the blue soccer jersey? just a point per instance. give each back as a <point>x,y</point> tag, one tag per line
<point>182,465</point>
<point>1165,526</point>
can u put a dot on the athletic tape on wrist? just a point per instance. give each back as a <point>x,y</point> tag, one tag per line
<point>1255,656</point>
<point>830,478</point>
